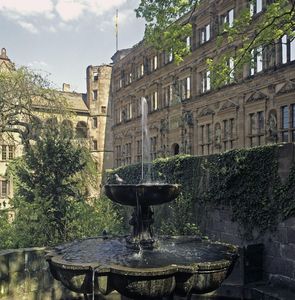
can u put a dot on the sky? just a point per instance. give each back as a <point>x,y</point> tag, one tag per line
<point>60,38</point>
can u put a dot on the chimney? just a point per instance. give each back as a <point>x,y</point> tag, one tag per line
<point>66,87</point>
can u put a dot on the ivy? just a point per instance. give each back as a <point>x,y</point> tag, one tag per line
<point>246,181</point>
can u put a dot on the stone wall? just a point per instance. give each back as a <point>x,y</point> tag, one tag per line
<point>24,274</point>
<point>279,245</point>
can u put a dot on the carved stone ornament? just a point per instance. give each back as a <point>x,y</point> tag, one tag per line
<point>187,118</point>
<point>207,111</point>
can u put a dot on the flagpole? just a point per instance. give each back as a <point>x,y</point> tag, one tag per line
<point>117,42</point>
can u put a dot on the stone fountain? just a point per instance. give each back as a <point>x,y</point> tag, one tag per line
<point>141,266</point>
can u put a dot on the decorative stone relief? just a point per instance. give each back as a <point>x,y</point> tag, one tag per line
<point>187,118</point>
<point>164,126</point>
<point>206,112</point>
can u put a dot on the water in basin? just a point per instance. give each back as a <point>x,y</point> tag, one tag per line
<point>169,251</point>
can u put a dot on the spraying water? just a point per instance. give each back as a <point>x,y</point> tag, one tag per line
<point>146,143</point>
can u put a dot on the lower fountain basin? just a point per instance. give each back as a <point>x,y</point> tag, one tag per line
<point>180,265</point>
<point>142,194</point>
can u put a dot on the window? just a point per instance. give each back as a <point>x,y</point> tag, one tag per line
<point>185,88</point>
<point>228,133</point>
<point>94,145</point>
<point>94,122</point>
<point>81,130</point>
<point>118,156</point>
<point>103,109</point>
<point>260,127</point>
<point>130,77</point>
<point>257,61</point>
<point>188,43</point>
<point>260,117</point>
<point>285,117</point>
<point>293,122</point>
<point>209,137</point>
<point>154,101</point>
<point>95,76</point>
<point>4,152</point>
<point>205,81</point>
<point>202,139</point>
<point>205,34</point>
<point>153,153</point>
<point>285,123</point>
<point>155,62</point>
<point>10,152</point>
<point>128,154</point>
<point>252,129</point>
<point>168,56</point>
<point>95,94</point>
<point>129,111</point>
<point>138,151</point>
<point>287,49</point>
<point>231,67</point>
<point>168,95</point>
<point>256,7</point>
<point>225,129</point>
<point>228,18</point>
<point>4,188</point>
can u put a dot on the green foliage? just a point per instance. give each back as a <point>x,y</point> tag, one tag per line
<point>169,22</point>
<point>246,181</point>
<point>21,90</point>
<point>51,188</point>
<point>85,220</point>
<point>162,31</point>
<point>6,232</point>
<point>249,33</point>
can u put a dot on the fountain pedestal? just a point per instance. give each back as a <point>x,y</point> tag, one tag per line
<point>142,234</point>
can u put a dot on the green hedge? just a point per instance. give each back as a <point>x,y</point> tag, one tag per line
<point>245,180</point>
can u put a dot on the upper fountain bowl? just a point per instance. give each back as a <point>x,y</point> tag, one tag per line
<point>142,194</point>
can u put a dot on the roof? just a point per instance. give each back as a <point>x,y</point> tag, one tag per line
<point>76,101</point>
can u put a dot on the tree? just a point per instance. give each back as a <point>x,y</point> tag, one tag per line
<point>46,180</point>
<point>23,93</point>
<point>168,23</point>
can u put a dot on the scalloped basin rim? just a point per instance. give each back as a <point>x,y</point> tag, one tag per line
<point>117,269</point>
<point>144,184</point>
<point>54,258</point>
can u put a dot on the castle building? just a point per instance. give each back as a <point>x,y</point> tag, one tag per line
<point>87,121</point>
<point>186,114</point>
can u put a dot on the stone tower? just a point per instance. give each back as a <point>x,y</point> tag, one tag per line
<point>98,80</point>
<point>5,62</point>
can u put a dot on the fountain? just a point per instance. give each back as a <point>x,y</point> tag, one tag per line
<point>141,266</point>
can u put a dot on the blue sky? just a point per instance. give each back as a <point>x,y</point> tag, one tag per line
<point>63,37</point>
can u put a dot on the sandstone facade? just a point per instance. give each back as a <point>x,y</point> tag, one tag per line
<point>185,114</point>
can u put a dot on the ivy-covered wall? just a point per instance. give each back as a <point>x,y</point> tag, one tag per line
<point>246,181</point>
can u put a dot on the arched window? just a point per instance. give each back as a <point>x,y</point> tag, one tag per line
<point>81,130</point>
<point>175,149</point>
<point>52,125</point>
<point>67,128</point>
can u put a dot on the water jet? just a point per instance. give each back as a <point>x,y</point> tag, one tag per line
<point>141,266</point>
